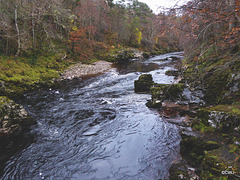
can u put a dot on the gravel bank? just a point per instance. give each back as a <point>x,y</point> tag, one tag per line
<point>79,70</point>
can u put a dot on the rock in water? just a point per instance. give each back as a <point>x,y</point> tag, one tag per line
<point>144,83</point>
<point>154,103</point>
<point>13,117</point>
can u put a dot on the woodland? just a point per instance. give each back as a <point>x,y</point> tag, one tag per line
<point>81,27</point>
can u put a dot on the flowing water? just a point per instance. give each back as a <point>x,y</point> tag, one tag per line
<point>97,128</point>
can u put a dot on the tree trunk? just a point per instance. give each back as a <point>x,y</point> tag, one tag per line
<point>18,33</point>
<point>33,31</point>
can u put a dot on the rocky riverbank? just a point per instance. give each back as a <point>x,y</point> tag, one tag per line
<point>207,111</point>
<point>216,122</point>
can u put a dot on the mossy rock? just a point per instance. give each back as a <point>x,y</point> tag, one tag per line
<point>210,145</point>
<point>172,73</point>
<point>146,54</point>
<point>145,77</point>
<point>144,83</point>
<point>14,117</point>
<point>154,104</point>
<point>215,84</point>
<point>179,171</point>
<point>223,121</point>
<point>219,164</point>
<point>233,109</point>
<point>125,56</point>
<point>193,149</point>
<point>218,78</point>
<point>167,91</point>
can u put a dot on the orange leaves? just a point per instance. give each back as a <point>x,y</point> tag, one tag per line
<point>80,44</point>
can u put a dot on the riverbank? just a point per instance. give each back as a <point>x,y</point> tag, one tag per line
<point>80,70</point>
<point>212,150</point>
<point>205,106</point>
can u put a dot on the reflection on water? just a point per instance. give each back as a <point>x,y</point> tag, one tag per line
<point>98,128</point>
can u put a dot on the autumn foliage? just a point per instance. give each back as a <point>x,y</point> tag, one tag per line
<point>81,46</point>
<point>210,27</point>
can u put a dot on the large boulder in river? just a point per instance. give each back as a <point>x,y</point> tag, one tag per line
<point>144,83</point>
<point>13,117</point>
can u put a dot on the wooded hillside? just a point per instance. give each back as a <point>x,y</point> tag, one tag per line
<point>80,27</point>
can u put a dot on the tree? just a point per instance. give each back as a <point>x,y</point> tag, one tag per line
<point>209,27</point>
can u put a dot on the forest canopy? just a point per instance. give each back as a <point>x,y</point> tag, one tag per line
<point>82,27</point>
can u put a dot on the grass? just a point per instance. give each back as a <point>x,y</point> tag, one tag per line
<point>21,73</point>
<point>233,109</point>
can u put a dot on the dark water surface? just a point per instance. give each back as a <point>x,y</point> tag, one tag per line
<point>98,128</point>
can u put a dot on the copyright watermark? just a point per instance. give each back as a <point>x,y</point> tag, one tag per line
<point>229,171</point>
<point>226,172</point>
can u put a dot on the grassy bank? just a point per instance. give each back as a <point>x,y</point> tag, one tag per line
<point>22,74</point>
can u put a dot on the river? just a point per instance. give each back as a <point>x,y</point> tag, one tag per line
<point>97,128</point>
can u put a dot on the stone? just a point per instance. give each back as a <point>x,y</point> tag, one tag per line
<point>144,83</point>
<point>167,91</point>
<point>172,73</point>
<point>154,104</point>
<point>14,118</point>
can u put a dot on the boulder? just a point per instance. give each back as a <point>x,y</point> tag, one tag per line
<point>172,73</point>
<point>218,119</point>
<point>167,91</point>
<point>13,117</point>
<point>125,56</point>
<point>144,83</point>
<point>154,103</point>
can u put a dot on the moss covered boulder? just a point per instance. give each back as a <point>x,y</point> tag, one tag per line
<point>193,149</point>
<point>221,163</point>
<point>221,118</point>
<point>172,73</point>
<point>167,91</point>
<point>219,78</point>
<point>144,83</point>
<point>13,117</point>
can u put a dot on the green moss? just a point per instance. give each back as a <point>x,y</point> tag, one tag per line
<point>143,83</point>
<point>202,127</point>
<point>216,161</point>
<point>4,100</point>
<point>167,91</point>
<point>216,77</point>
<point>201,122</point>
<point>233,109</point>
<point>146,54</point>
<point>20,75</point>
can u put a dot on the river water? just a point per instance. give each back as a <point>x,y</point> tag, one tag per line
<point>97,128</point>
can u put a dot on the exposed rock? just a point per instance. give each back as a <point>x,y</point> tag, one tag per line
<point>172,58</point>
<point>172,73</point>
<point>193,149</point>
<point>144,83</point>
<point>181,170</point>
<point>13,117</point>
<point>146,54</point>
<point>154,103</point>
<point>124,56</point>
<point>2,87</point>
<point>220,121</point>
<point>167,91</point>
